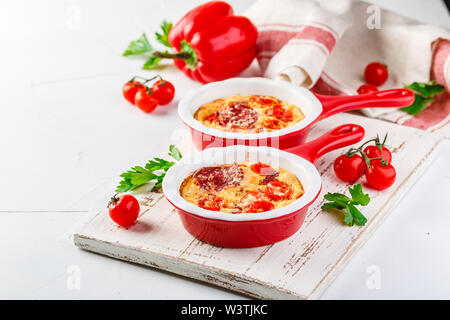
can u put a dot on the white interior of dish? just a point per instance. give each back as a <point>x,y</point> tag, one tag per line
<point>301,168</point>
<point>298,96</point>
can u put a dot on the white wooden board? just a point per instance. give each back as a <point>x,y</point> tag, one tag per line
<point>300,267</point>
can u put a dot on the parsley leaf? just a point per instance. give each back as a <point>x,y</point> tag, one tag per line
<point>164,37</point>
<point>175,153</point>
<point>358,217</point>
<point>348,218</point>
<point>192,60</point>
<point>346,205</point>
<point>151,63</point>
<point>424,92</point>
<point>154,170</point>
<point>420,103</point>
<point>358,196</point>
<point>338,197</point>
<point>138,46</point>
<point>426,89</point>
<point>335,205</point>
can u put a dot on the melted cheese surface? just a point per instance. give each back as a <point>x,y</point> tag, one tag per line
<point>266,119</point>
<point>232,195</point>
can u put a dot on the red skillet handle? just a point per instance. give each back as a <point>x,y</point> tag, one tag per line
<point>381,99</point>
<point>339,137</point>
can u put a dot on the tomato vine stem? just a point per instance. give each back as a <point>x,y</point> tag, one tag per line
<point>367,160</point>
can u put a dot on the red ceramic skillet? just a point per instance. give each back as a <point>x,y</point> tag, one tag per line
<point>255,229</point>
<point>314,107</point>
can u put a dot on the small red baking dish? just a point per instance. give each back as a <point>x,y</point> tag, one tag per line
<point>245,230</point>
<point>315,108</point>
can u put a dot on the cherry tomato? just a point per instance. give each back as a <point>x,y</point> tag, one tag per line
<point>124,210</point>
<point>272,124</point>
<point>279,112</point>
<point>277,190</point>
<point>380,177</point>
<point>211,203</point>
<point>375,152</point>
<point>261,206</point>
<point>367,88</point>
<point>263,169</point>
<point>376,73</point>
<point>349,169</point>
<point>130,89</point>
<point>145,100</point>
<point>163,91</point>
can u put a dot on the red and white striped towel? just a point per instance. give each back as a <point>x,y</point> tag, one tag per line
<point>325,45</point>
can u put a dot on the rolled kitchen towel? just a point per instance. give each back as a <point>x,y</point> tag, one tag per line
<point>325,45</point>
<point>295,38</point>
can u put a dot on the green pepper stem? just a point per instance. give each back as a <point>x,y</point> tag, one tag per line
<point>167,55</point>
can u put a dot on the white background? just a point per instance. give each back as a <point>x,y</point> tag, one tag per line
<point>66,133</point>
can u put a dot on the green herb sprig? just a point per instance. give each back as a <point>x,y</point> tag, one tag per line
<point>343,203</point>
<point>154,170</point>
<point>142,45</point>
<point>424,95</point>
<point>139,46</point>
<point>163,37</point>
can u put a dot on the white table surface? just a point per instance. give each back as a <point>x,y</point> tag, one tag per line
<point>65,131</point>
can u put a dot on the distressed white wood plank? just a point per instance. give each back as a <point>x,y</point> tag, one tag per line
<point>300,267</point>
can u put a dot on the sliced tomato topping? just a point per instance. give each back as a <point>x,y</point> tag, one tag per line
<point>254,201</point>
<point>261,206</point>
<point>287,116</point>
<point>280,113</point>
<point>264,100</point>
<point>277,190</point>
<point>250,197</point>
<point>276,111</point>
<point>272,124</point>
<point>263,169</point>
<point>211,118</point>
<point>213,203</point>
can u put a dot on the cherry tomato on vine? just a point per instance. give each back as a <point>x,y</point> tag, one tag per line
<point>130,89</point>
<point>375,152</point>
<point>163,91</point>
<point>124,210</point>
<point>380,176</point>
<point>349,169</point>
<point>376,73</point>
<point>277,190</point>
<point>367,88</point>
<point>145,100</point>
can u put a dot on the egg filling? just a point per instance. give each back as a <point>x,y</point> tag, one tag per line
<point>241,188</point>
<point>248,114</point>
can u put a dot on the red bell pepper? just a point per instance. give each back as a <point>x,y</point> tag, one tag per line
<point>211,43</point>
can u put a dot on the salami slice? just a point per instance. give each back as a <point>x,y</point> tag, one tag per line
<point>269,178</point>
<point>238,115</point>
<point>219,177</point>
